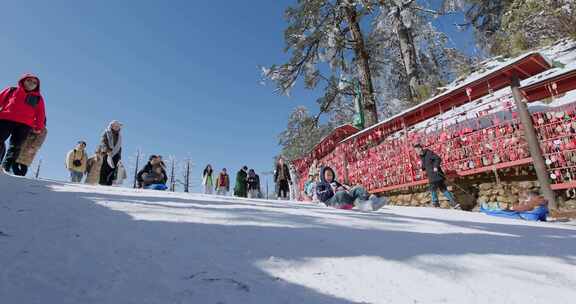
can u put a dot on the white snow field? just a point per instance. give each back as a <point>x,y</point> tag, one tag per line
<point>63,243</point>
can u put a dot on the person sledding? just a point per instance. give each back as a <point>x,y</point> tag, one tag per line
<point>22,111</point>
<point>153,176</point>
<point>431,164</point>
<point>334,194</point>
<point>533,207</point>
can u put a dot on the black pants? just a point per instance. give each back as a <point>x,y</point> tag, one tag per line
<point>107,174</point>
<point>19,169</point>
<point>17,133</point>
<point>283,189</point>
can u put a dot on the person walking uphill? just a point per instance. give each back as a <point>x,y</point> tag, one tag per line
<point>207,180</point>
<point>22,111</point>
<point>282,178</point>
<point>336,195</point>
<point>222,183</point>
<point>240,187</point>
<point>431,163</point>
<point>76,161</point>
<point>111,145</point>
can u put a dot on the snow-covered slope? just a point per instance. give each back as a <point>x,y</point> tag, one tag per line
<point>62,243</point>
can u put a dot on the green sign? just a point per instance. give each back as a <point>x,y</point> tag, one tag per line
<point>359,117</point>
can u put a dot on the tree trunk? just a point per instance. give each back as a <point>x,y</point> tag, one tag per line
<point>363,64</point>
<point>408,50</point>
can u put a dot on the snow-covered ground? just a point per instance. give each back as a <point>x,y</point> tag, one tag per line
<point>62,243</point>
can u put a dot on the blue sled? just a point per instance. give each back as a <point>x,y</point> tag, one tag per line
<point>538,214</point>
<point>160,187</point>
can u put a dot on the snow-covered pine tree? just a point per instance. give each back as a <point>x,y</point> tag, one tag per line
<point>325,40</point>
<point>484,17</point>
<point>301,134</point>
<point>508,27</point>
<point>529,24</point>
<point>411,57</point>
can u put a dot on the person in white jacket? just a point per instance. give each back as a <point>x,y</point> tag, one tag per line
<point>207,180</point>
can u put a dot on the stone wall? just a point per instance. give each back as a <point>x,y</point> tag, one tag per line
<point>504,193</point>
<point>503,188</point>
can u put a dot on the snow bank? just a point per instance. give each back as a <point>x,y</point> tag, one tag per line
<point>62,243</point>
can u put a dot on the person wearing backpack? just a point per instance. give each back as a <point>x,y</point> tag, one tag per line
<point>22,111</point>
<point>222,183</point>
<point>76,161</point>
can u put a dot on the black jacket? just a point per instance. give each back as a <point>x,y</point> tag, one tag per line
<point>149,169</point>
<point>253,182</point>
<point>286,173</point>
<point>431,160</point>
<point>324,189</point>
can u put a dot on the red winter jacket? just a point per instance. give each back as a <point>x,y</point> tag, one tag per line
<point>23,107</point>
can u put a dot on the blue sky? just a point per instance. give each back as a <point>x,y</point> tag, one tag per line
<point>182,77</point>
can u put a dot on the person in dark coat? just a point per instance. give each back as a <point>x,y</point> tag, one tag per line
<point>431,163</point>
<point>253,184</point>
<point>282,179</point>
<point>240,187</point>
<point>336,195</point>
<point>154,171</point>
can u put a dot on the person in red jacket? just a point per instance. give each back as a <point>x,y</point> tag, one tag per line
<point>21,111</point>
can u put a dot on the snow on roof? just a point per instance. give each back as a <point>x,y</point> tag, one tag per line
<point>488,67</point>
<point>561,55</point>
<point>346,127</point>
<point>556,102</point>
